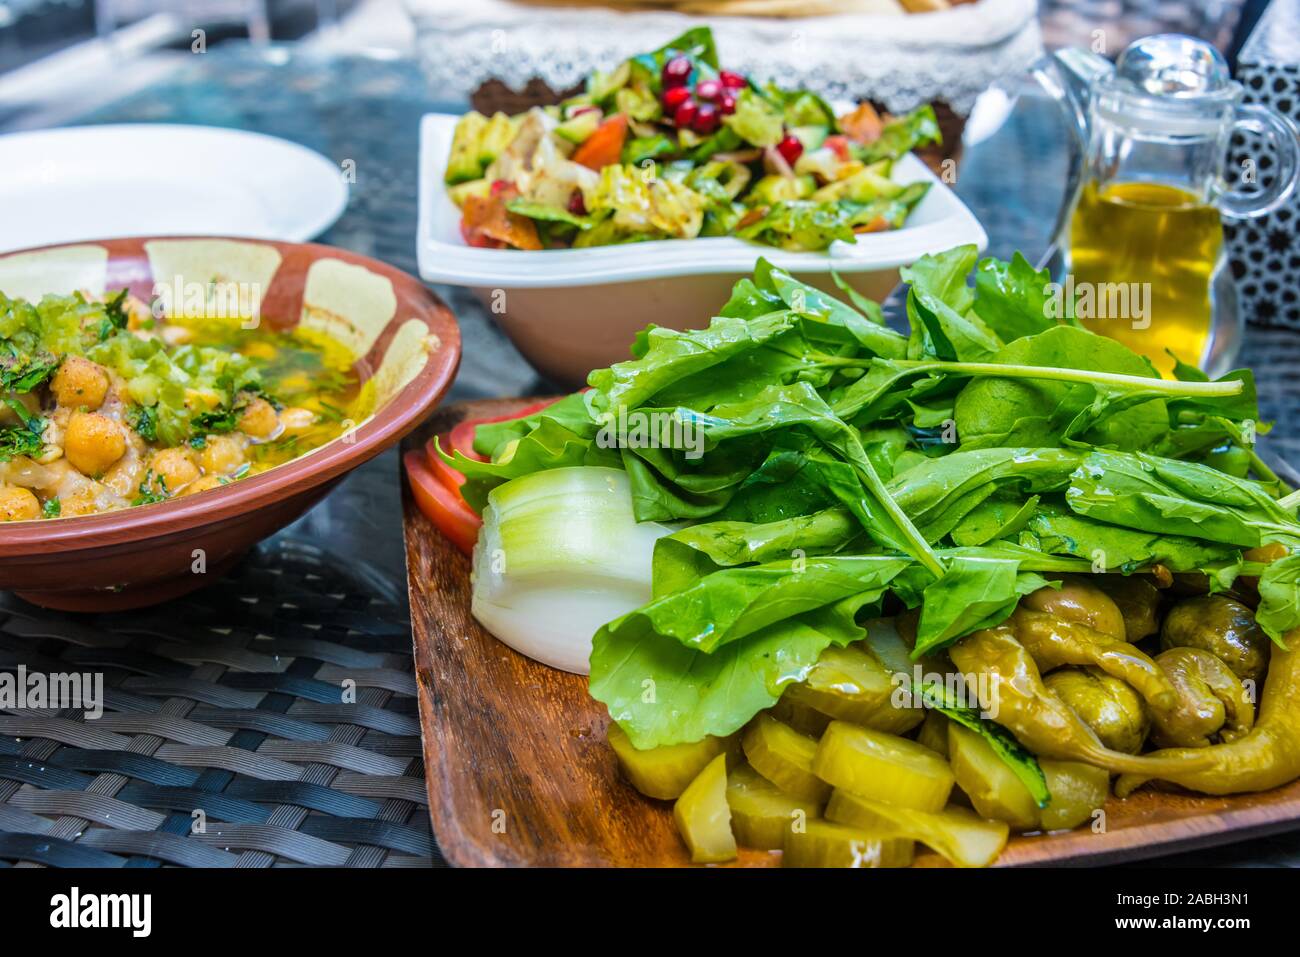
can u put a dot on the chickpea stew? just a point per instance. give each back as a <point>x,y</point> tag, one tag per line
<point>104,406</point>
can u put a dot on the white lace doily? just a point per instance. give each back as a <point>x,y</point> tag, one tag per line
<point>901,61</point>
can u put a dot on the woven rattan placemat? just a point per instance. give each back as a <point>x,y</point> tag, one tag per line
<point>268,720</point>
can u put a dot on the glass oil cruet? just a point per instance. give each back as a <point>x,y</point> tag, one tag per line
<point>1140,237</point>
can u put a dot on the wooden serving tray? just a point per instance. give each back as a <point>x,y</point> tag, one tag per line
<point>519,773</point>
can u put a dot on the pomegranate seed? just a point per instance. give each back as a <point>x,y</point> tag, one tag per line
<point>675,97</point>
<point>685,114</point>
<point>499,186</point>
<point>790,148</point>
<point>727,104</point>
<point>706,119</point>
<point>732,81</point>
<point>577,205</point>
<point>676,71</point>
<point>708,90</point>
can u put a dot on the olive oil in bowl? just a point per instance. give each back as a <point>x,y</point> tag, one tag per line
<point>1152,249</point>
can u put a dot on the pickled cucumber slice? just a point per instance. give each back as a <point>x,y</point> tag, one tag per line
<point>703,816</point>
<point>993,788</point>
<point>934,733</point>
<point>463,163</point>
<point>961,837</point>
<point>663,772</point>
<point>761,813</point>
<point>784,756</point>
<point>882,767</point>
<point>1077,790</point>
<point>800,716</point>
<point>851,684</point>
<point>823,844</point>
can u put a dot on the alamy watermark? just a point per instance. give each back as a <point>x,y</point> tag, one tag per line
<point>21,689</point>
<point>921,689</point>
<point>659,429</point>
<point>1100,301</point>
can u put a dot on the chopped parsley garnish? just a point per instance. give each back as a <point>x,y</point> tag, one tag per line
<point>144,419</point>
<point>199,442</point>
<point>221,421</point>
<point>153,489</point>
<point>52,508</point>
<point>114,309</point>
<point>23,373</point>
<point>24,439</point>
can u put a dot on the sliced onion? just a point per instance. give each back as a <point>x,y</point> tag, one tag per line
<point>559,555</point>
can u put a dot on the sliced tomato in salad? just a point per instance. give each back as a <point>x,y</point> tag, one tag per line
<point>605,146</point>
<point>487,218</point>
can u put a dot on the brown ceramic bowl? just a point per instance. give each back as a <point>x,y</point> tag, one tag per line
<point>408,343</point>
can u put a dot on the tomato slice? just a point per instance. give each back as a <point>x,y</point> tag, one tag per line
<point>459,439</point>
<point>839,145</point>
<point>605,146</point>
<point>444,507</point>
<point>443,472</point>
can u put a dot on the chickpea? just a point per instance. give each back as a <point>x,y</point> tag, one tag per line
<point>204,484</point>
<point>221,455</point>
<point>175,467</point>
<point>18,505</point>
<point>93,442</point>
<point>297,420</point>
<point>80,383</point>
<point>259,419</point>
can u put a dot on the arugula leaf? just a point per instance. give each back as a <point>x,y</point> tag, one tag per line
<point>1279,594</point>
<point>662,689</point>
<point>661,692</point>
<point>548,213</point>
<point>668,355</point>
<point>973,593</point>
<point>1054,529</point>
<point>994,518</point>
<point>696,43</point>
<point>699,550</point>
<point>939,494</point>
<point>1011,297</point>
<point>993,411</point>
<point>1169,497</point>
<point>866,323</point>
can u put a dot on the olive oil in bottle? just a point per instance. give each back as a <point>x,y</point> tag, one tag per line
<point>1144,253</point>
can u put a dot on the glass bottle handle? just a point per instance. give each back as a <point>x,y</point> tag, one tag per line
<point>1284,138</point>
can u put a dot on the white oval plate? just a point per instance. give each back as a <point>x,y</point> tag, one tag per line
<point>109,182</point>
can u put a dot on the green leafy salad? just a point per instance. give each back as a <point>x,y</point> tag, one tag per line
<point>760,493</point>
<point>670,146</point>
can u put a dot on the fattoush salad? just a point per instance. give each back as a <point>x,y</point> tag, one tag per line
<point>669,145</point>
<point>845,590</point>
